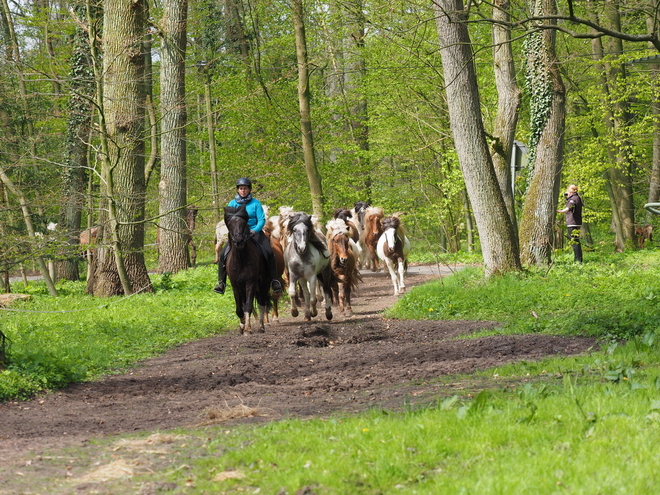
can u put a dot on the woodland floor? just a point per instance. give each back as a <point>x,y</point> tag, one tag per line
<point>294,369</point>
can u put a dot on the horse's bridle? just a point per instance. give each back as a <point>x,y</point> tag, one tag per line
<point>240,238</point>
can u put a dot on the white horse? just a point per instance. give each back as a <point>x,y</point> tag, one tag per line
<point>308,261</point>
<point>393,248</point>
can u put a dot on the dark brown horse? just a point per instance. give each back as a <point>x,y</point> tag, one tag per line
<point>343,265</point>
<point>370,235</point>
<point>247,270</point>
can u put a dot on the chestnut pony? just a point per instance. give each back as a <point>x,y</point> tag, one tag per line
<point>370,235</point>
<point>343,264</point>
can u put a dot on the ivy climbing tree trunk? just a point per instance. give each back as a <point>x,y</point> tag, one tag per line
<point>173,248</point>
<point>548,113</point>
<point>79,121</point>
<point>498,241</point>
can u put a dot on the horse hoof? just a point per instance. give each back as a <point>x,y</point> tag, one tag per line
<point>294,312</point>
<point>328,314</point>
<point>308,317</point>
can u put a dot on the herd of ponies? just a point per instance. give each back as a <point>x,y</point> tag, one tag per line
<point>314,262</point>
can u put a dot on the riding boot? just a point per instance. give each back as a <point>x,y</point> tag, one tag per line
<point>272,273</point>
<point>222,273</point>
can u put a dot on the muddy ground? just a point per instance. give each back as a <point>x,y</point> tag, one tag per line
<point>294,369</point>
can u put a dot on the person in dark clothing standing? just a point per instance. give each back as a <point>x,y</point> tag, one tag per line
<point>573,213</point>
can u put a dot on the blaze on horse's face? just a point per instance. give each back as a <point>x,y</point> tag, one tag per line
<point>300,234</point>
<point>390,237</point>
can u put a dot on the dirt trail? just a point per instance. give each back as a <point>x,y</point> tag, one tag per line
<point>294,369</point>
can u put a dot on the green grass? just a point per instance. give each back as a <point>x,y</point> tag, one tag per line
<point>615,298</point>
<point>581,424</point>
<point>76,337</point>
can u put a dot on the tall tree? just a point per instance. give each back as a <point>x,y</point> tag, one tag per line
<point>173,255</point>
<point>548,111</point>
<point>313,175</point>
<point>79,120</point>
<point>498,241</point>
<point>508,104</point>
<point>120,259</point>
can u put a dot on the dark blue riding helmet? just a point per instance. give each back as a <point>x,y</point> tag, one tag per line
<point>244,181</point>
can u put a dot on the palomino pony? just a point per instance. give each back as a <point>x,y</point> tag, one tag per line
<point>393,249</point>
<point>343,264</point>
<point>247,270</point>
<point>370,235</point>
<point>307,261</point>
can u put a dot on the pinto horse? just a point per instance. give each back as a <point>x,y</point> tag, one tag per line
<point>393,248</point>
<point>307,261</point>
<point>246,269</point>
<point>370,235</point>
<point>343,264</point>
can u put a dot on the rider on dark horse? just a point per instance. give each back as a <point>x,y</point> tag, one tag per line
<point>256,222</point>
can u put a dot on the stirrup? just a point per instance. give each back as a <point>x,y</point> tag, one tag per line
<point>275,285</point>
<point>220,288</point>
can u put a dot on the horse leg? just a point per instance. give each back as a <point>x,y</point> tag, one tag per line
<point>263,314</point>
<point>393,275</point>
<point>276,314</point>
<point>311,298</point>
<point>293,296</point>
<point>246,324</point>
<point>347,299</point>
<point>341,296</point>
<point>402,285</point>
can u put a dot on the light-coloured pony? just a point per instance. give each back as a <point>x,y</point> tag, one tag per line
<point>393,248</point>
<point>308,262</point>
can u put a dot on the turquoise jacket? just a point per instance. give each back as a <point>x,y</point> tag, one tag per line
<point>257,218</point>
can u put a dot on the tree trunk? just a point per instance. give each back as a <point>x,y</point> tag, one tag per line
<point>313,175</point>
<point>548,115</point>
<point>508,104</point>
<point>78,136</point>
<point>616,121</point>
<point>173,248</point>
<point>498,241</point>
<point>123,168</point>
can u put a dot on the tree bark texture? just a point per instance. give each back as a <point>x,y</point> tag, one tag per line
<point>173,248</point>
<point>498,242</point>
<point>78,136</point>
<point>123,112</point>
<point>508,103</point>
<point>313,175</point>
<point>540,208</point>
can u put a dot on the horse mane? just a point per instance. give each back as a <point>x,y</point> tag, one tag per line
<point>336,226</point>
<point>314,239</point>
<point>269,227</point>
<point>373,211</point>
<point>394,222</point>
<point>236,211</point>
<point>343,214</point>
